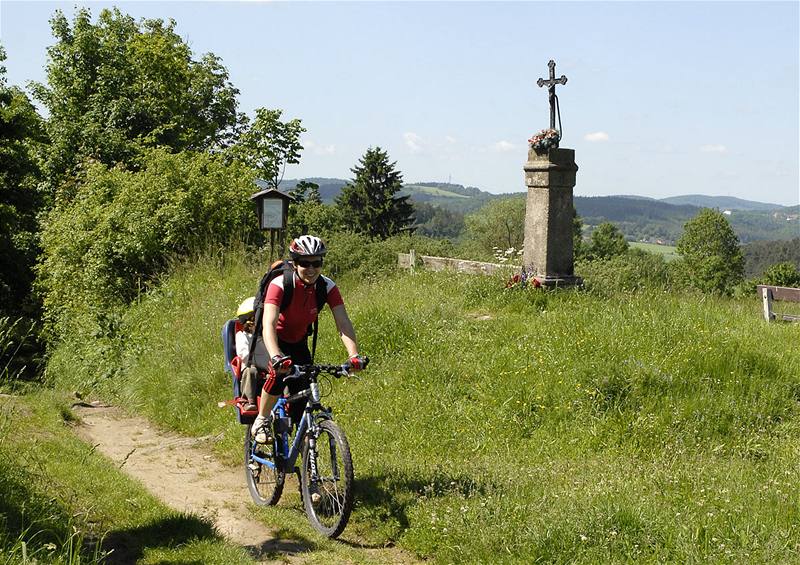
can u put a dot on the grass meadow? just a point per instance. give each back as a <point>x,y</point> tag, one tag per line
<point>62,503</point>
<point>668,251</point>
<point>509,426</point>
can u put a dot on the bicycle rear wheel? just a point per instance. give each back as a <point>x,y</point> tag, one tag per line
<point>264,482</point>
<point>328,492</point>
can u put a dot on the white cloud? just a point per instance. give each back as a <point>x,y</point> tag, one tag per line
<point>413,141</point>
<point>596,136</point>
<point>317,149</point>
<point>503,146</point>
<point>713,148</point>
<point>450,139</point>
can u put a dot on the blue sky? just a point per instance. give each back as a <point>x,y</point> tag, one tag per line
<point>662,99</point>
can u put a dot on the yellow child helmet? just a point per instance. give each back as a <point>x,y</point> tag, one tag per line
<point>245,310</point>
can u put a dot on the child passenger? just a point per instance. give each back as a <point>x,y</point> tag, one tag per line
<point>249,386</point>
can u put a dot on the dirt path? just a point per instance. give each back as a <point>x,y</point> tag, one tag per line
<point>182,473</point>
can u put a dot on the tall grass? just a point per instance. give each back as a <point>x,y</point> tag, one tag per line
<point>14,336</point>
<point>515,426</point>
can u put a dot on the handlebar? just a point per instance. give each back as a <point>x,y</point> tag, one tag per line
<point>311,371</point>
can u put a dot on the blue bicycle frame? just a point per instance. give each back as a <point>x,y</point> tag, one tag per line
<point>288,456</point>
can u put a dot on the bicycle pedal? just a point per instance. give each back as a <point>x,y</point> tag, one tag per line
<point>253,466</point>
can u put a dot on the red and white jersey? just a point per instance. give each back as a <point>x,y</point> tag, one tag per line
<point>302,310</point>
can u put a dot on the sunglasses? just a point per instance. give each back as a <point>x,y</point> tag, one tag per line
<point>306,264</point>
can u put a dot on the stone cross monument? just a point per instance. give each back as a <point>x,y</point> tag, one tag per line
<point>550,177</point>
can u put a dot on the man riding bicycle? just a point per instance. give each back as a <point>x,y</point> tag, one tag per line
<point>286,333</point>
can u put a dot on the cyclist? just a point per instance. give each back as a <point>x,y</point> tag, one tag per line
<point>249,381</point>
<point>286,333</point>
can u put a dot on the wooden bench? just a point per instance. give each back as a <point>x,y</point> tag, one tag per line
<point>771,293</point>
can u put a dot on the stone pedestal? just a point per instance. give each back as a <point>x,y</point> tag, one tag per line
<point>548,252</point>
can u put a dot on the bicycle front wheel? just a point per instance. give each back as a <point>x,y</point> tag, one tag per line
<point>327,480</point>
<point>265,482</point>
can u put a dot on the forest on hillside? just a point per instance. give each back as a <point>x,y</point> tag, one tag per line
<point>761,255</point>
<point>639,219</point>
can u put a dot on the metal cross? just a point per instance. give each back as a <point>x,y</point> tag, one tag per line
<point>551,88</point>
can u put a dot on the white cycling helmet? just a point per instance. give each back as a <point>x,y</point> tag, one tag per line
<point>307,245</point>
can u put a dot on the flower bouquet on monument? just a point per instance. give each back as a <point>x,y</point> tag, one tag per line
<point>544,140</point>
<point>523,280</point>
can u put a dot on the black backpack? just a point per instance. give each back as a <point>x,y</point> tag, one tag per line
<point>285,269</point>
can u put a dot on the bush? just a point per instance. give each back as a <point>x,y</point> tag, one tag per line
<point>782,274</point>
<point>362,257</point>
<point>499,224</point>
<point>607,241</point>
<point>118,234</point>
<point>632,271</point>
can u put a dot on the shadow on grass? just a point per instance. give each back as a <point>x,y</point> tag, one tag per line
<point>128,545</point>
<point>281,544</point>
<point>27,515</point>
<point>388,497</point>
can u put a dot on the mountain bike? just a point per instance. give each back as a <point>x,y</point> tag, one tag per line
<point>326,470</point>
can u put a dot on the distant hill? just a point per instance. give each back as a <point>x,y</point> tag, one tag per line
<point>721,202</point>
<point>454,188</point>
<point>328,188</point>
<point>454,197</point>
<point>640,218</point>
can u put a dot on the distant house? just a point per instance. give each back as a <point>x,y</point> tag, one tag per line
<point>727,212</point>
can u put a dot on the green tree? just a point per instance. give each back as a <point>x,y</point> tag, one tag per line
<point>313,217</point>
<point>368,202</point>
<point>437,221</point>
<point>712,257</point>
<point>307,214</point>
<point>269,144</point>
<point>118,86</point>
<point>782,274</point>
<point>123,228</point>
<point>306,191</point>
<point>500,224</point>
<point>607,241</point>
<point>21,133</point>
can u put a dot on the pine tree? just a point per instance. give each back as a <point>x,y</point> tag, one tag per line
<point>368,203</point>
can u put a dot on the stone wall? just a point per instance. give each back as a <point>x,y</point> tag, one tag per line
<point>409,261</point>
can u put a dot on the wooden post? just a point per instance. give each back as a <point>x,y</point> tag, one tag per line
<point>413,259</point>
<point>766,297</point>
